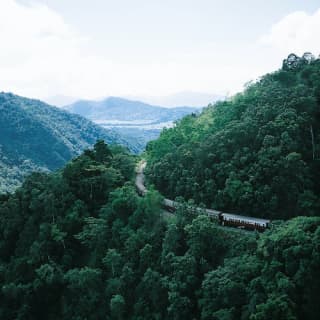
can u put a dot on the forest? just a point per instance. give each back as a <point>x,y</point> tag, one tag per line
<point>81,244</point>
<point>256,153</point>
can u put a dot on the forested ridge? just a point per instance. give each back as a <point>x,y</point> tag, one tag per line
<point>81,244</point>
<point>256,153</point>
<point>35,136</point>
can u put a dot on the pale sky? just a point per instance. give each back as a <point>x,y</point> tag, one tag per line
<point>96,48</point>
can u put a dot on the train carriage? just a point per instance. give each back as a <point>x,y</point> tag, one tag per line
<point>245,222</point>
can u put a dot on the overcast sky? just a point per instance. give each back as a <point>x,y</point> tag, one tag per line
<point>96,48</point>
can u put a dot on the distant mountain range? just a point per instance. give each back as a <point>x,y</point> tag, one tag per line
<point>183,98</point>
<point>132,119</point>
<point>119,109</point>
<point>34,135</point>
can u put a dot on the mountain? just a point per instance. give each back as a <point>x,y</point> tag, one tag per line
<point>257,153</point>
<point>114,108</point>
<point>34,135</point>
<point>135,120</point>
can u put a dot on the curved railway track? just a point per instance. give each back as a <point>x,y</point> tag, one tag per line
<point>224,218</point>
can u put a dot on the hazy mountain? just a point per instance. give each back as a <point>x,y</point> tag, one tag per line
<point>135,120</point>
<point>114,108</point>
<point>34,135</point>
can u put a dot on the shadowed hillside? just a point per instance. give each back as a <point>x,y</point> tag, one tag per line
<point>34,135</point>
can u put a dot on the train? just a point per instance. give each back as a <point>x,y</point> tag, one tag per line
<point>243,222</point>
<point>224,218</point>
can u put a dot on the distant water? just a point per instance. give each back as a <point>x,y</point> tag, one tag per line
<point>138,124</point>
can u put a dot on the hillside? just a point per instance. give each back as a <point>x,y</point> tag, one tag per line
<point>81,244</point>
<point>34,135</point>
<point>258,152</point>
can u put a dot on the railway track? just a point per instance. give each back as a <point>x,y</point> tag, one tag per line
<point>225,218</point>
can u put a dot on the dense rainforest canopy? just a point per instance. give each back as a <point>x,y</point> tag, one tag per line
<point>256,153</point>
<point>79,244</point>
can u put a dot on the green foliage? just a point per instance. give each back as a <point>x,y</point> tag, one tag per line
<point>258,152</point>
<point>81,244</point>
<point>117,307</point>
<point>277,282</point>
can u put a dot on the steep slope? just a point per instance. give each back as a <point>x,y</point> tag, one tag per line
<point>114,108</point>
<point>257,153</point>
<point>34,135</point>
